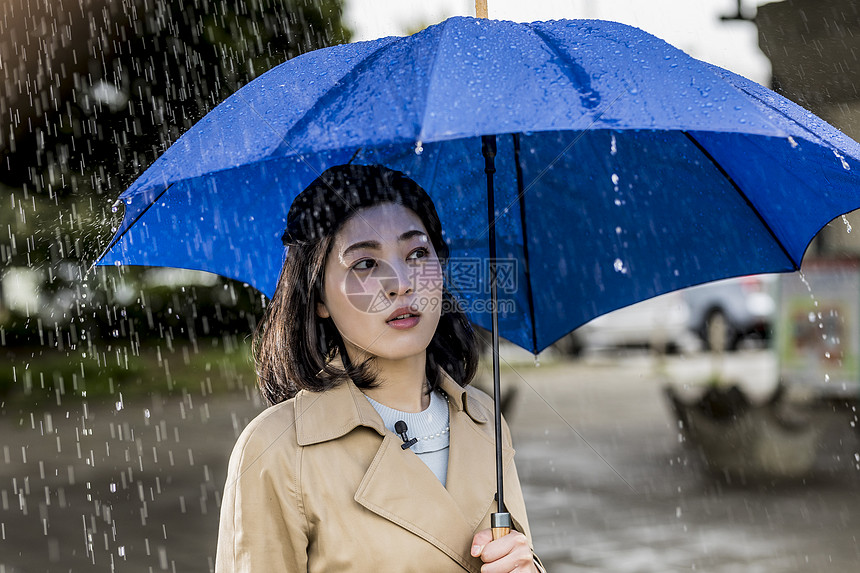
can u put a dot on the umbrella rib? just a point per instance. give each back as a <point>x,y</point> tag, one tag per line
<point>526,272</point>
<point>549,166</point>
<point>567,65</point>
<point>746,92</point>
<point>310,112</point>
<point>130,225</point>
<point>431,76</point>
<point>355,212</point>
<point>701,148</point>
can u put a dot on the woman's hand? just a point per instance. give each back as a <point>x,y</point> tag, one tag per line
<point>504,555</point>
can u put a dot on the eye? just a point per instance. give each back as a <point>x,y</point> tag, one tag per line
<point>419,253</point>
<point>364,265</point>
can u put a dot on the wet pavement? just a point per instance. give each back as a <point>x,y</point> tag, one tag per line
<point>611,487</point>
<point>609,483</point>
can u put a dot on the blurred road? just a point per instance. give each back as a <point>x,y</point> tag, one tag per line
<point>611,487</point>
<point>136,486</point>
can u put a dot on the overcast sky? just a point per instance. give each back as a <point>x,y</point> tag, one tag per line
<point>691,25</point>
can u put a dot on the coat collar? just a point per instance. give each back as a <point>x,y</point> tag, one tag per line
<point>447,518</point>
<point>328,415</point>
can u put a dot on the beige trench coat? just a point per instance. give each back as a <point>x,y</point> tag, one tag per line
<point>318,484</point>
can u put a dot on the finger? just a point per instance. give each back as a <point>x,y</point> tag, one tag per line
<point>480,541</point>
<point>519,560</point>
<point>495,550</point>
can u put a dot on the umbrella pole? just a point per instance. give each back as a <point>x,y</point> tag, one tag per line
<point>500,522</point>
<point>481,8</point>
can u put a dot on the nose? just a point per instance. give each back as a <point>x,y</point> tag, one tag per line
<point>400,283</point>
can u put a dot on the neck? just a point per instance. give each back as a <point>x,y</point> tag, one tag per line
<point>402,384</point>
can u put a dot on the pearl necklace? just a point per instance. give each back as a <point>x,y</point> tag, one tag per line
<point>436,435</point>
<point>442,432</point>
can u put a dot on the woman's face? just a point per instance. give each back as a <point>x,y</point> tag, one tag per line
<point>382,265</point>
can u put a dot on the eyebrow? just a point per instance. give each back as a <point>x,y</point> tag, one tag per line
<point>375,245</point>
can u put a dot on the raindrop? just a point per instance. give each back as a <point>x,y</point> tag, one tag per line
<point>847,224</point>
<point>613,149</point>
<point>792,142</point>
<point>618,265</point>
<point>419,148</point>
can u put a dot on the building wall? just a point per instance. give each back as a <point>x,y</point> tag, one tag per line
<point>814,48</point>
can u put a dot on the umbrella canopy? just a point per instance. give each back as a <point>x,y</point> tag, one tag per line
<point>625,168</point>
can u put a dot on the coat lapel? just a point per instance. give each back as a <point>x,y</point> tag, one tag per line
<point>472,468</point>
<point>401,488</point>
<point>398,486</point>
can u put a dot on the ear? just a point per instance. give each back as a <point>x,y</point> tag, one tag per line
<point>322,311</point>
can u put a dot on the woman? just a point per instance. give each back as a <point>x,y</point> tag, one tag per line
<point>360,337</point>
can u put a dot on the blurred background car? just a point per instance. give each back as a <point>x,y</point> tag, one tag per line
<point>660,324</point>
<point>725,313</point>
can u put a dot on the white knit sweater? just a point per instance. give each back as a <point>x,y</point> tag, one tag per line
<point>429,426</point>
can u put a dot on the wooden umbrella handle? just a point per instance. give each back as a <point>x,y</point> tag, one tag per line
<point>481,8</point>
<point>499,532</point>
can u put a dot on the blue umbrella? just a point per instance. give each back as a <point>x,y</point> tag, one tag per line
<point>622,168</point>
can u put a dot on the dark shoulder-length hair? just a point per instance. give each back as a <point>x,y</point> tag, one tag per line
<point>293,347</point>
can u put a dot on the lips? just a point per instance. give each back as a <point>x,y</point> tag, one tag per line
<point>403,312</point>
